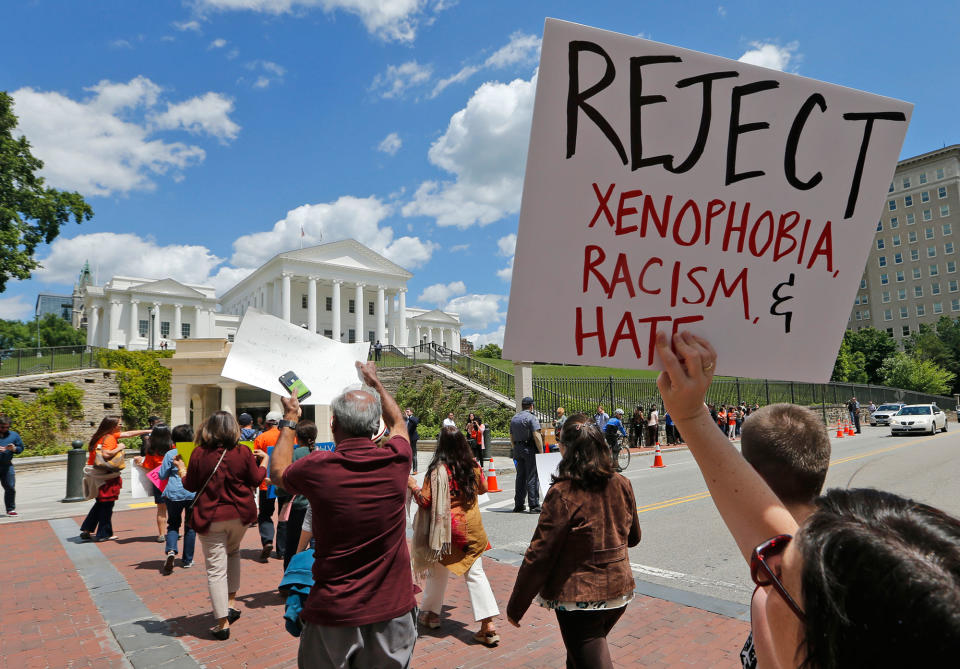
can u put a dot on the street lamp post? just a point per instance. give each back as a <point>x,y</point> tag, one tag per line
<point>150,341</point>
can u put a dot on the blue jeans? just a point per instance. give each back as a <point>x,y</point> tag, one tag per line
<point>9,482</point>
<point>176,509</point>
<point>100,518</point>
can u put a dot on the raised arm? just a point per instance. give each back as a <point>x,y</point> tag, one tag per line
<point>751,511</point>
<point>283,449</point>
<point>392,416</point>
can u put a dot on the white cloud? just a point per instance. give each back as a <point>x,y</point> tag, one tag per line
<point>187,25</point>
<point>218,43</point>
<point>507,246</point>
<point>722,11</point>
<point>457,78</point>
<point>440,293</point>
<point>346,218</point>
<point>228,277</point>
<point>121,44</point>
<point>458,248</point>
<point>485,147</point>
<point>398,78</point>
<point>207,114</point>
<point>773,56</point>
<point>391,20</point>
<point>390,144</point>
<point>270,72</point>
<point>125,254</point>
<point>482,339</point>
<point>506,273</point>
<point>16,308</point>
<point>478,311</point>
<point>108,144</point>
<point>520,50</point>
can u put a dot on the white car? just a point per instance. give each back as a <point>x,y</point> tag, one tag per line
<point>885,412</point>
<point>923,418</point>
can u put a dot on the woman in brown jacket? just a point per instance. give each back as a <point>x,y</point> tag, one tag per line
<point>577,563</point>
<point>223,475</point>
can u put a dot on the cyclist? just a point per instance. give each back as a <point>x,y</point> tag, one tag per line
<point>611,430</point>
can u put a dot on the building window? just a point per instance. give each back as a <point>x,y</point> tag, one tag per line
<point>858,316</point>
<point>142,328</point>
<point>866,314</point>
<point>856,300</point>
<point>939,173</point>
<point>888,314</point>
<point>892,205</point>
<point>948,248</point>
<point>328,303</point>
<point>351,307</point>
<point>371,336</point>
<point>923,178</point>
<point>928,233</point>
<point>894,222</point>
<point>303,301</point>
<point>897,258</point>
<point>864,299</point>
<point>890,190</point>
<point>880,243</point>
<point>944,210</point>
<point>885,296</point>
<point>901,293</point>
<point>328,334</point>
<point>863,284</point>
<point>370,308</point>
<point>931,251</point>
<point>953,286</point>
<point>903,312</point>
<point>165,329</point>
<point>947,229</point>
<point>914,254</point>
<point>884,279</point>
<point>907,200</point>
<point>916,273</point>
<point>879,226</point>
<point>351,336</point>
<point>934,270</point>
<point>935,288</point>
<point>882,260</point>
<point>921,310</point>
<point>955,305</point>
<point>899,276</point>
<point>912,236</point>
<point>896,240</point>
<point>911,219</point>
<point>925,196</point>
<point>942,192</point>
<point>890,332</point>
<point>918,291</point>
<point>906,330</point>
<point>951,266</point>
<point>927,215</point>
<point>906,182</point>
<point>185,330</point>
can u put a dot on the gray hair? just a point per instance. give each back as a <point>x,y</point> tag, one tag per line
<point>356,415</point>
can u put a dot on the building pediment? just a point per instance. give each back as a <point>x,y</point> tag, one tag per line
<point>436,316</point>
<point>167,288</point>
<point>348,253</point>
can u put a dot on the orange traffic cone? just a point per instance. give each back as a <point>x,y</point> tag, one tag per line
<point>839,430</point>
<point>850,431</point>
<point>492,479</point>
<point>657,459</point>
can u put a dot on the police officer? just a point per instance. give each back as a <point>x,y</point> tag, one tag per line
<point>522,429</point>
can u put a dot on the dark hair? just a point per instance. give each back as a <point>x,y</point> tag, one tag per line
<point>586,459</point>
<point>182,434</point>
<point>220,429</point>
<point>306,433</point>
<point>4,419</point>
<point>107,426</point>
<point>153,420</point>
<point>881,582</point>
<point>160,440</point>
<point>454,452</point>
<point>789,447</point>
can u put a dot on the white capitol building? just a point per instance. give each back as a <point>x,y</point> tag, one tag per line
<point>342,290</point>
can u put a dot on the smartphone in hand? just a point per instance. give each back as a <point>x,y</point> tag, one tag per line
<point>293,383</point>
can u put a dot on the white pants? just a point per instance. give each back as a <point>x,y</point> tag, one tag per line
<point>221,553</point>
<point>482,601</point>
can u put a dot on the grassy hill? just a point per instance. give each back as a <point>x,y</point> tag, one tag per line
<point>573,371</point>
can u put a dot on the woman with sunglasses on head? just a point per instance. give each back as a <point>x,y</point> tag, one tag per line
<point>870,580</point>
<point>577,563</point>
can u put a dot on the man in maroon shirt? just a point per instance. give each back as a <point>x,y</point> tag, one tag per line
<point>360,612</point>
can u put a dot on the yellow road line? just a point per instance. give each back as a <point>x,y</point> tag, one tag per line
<point>141,505</point>
<point>704,494</point>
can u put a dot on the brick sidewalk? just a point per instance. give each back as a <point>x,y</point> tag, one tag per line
<point>53,612</point>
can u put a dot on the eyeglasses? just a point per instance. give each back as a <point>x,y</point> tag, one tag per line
<point>762,574</point>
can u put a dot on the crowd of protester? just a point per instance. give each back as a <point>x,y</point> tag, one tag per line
<point>849,578</point>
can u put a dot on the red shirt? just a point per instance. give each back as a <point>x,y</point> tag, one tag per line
<point>229,494</point>
<point>361,569</point>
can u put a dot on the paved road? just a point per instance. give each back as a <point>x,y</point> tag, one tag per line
<point>685,544</point>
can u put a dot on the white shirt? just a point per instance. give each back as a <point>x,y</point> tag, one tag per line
<point>448,423</point>
<point>652,418</point>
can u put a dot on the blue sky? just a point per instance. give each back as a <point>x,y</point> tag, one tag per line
<point>205,133</point>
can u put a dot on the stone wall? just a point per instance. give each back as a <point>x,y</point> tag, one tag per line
<point>101,394</point>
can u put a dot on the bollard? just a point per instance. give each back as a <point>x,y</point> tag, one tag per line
<point>76,461</point>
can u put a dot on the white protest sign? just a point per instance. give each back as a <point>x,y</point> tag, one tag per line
<point>547,465</point>
<point>265,347</point>
<point>140,485</point>
<point>668,189</point>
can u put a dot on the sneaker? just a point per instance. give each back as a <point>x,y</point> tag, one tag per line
<point>518,509</point>
<point>186,565</point>
<point>265,552</point>
<point>110,538</point>
<point>168,563</point>
<point>12,513</point>
<point>535,509</point>
<point>161,539</point>
<point>85,536</point>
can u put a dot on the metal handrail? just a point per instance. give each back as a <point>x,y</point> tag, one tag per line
<point>23,361</point>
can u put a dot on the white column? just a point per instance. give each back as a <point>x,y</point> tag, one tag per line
<point>228,397</point>
<point>134,325</point>
<point>155,324</point>
<point>114,325</point>
<point>285,298</point>
<point>177,321</point>
<point>196,322</point>
<point>358,309</point>
<point>446,336</point>
<point>93,323</point>
<point>275,308</point>
<point>378,308</point>
<point>392,321</point>
<point>312,303</point>
<point>430,335</point>
<point>522,381</point>
<point>417,343</point>
<point>336,310</point>
<point>179,403</point>
<point>402,318</point>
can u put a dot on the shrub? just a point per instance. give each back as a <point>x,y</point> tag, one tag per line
<point>144,384</point>
<point>431,404</point>
<point>44,423</point>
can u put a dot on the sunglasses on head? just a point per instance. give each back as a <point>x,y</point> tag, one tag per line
<point>762,574</point>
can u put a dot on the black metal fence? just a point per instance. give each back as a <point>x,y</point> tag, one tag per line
<point>23,361</point>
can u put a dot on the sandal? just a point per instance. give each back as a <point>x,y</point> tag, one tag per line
<point>489,639</point>
<point>430,619</point>
<point>220,633</point>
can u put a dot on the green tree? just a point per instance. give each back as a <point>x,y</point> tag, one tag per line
<point>30,212</point>
<point>488,351</point>
<point>144,384</point>
<point>43,423</point>
<point>875,345</point>
<point>905,371</point>
<point>850,366</point>
<point>54,331</point>
<point>17,334</point>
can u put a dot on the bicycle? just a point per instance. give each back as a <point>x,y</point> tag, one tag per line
<point>621,453</point>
